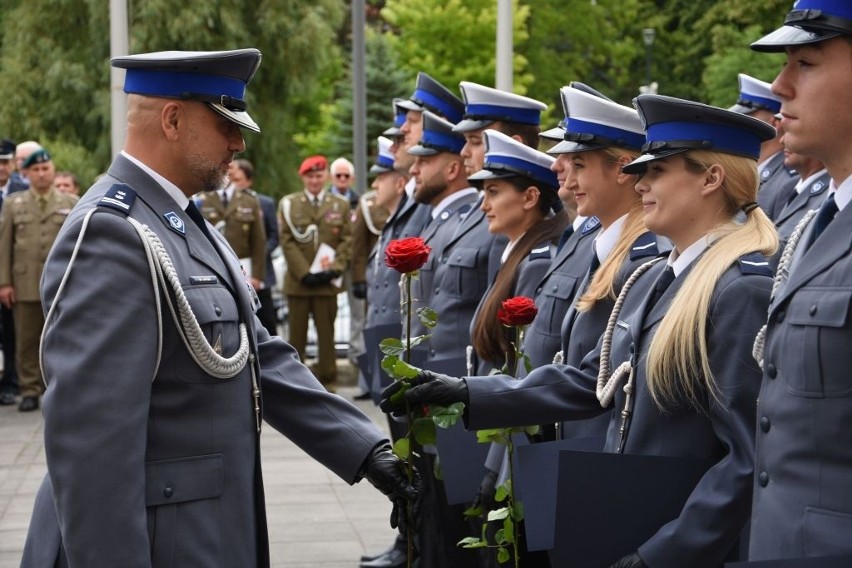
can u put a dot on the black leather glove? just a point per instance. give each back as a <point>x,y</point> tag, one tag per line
<point>312,279</point>
<point>630,561</point>
<point>387,474</point>
<point>426,388</point>
<point>485,496</point>
<point>359,290</point>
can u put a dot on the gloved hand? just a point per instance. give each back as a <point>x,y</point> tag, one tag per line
<point>387,474</point>
<point>359,290</point>
<point>426,388</point>
<point>487,488</point>
<point>630,561</point>
<point>319,278</point>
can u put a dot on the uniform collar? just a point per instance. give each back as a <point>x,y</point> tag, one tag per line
<point>843,194</point>
<point>171,189</point>
<point>606,240</point>
<point>450,199</point>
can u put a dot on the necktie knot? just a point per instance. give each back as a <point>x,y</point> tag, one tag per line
<point>824,216</point>
<point>662,284</point>
<point>42,202</point>
<point>197,218</point>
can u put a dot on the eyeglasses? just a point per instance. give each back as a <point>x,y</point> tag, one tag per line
<point>344,176</point>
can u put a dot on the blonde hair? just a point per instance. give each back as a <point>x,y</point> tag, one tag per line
<point>602,285</point>
<point>678,368</point>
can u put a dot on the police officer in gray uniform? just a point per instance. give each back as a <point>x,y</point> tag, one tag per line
<point>803,463</point>
<point>810,191</point>
<point>158,372</point>
<point>776,180</point>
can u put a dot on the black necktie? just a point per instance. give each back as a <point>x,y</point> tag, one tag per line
<point>826,213</point>
<point>595,264</point>
<point>665,279</point>
<point>566,234</point>
<point>198,219</point>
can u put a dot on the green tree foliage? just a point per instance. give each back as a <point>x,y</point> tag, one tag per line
<point>385,80</point>
<point>55,59</point>
<point>453,40</point>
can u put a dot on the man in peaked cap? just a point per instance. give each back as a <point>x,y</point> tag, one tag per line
<point>803,461</point>
<point>9,184</point>
<point>153,414</point>
<point>777,182</point>
<point>29,224</point>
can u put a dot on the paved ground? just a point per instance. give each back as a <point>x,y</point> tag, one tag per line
<point>315,519</point>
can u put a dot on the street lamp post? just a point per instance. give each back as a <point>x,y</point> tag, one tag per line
<point>648,35</point>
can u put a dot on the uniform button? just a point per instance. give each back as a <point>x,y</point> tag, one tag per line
<point>764,423</point>
<point>437,291</point>
<point>555,287</point>
<point>763,479</point>
<point>779,317</point>
<point>813,310</point>
<point>632,348</point>
<point>432,352</point>
<point>168,492</point>
<point>538,291</point>
<point>217,309</point>
<point>771,371</point>
<point>384,309</point>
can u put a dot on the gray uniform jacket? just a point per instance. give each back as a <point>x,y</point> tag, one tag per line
<point>777,183</point>
<point>811,197</point>
<point>555,291</point>
<point>468,264</point>
<point>581,331</point>
<point>723,434</point>
<point>803,464</point>
<point>436,233</point>
<point>152,461</point>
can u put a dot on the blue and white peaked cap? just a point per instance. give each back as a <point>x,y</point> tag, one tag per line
<point>557,133</point>
<point>437,137</point>
<point>218,78</point>
<point>755,95</point>
<point>506,157</point>
<point>593,123</point>
<point>398,119</point>
<point>675,126</point>
<point>431,95</point>
<point>810,21</point>
<point>484,106</point>
<point>384,157</point>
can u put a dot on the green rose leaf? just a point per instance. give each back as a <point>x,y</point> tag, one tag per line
<point>398,369</point>
<point>392,346</point>
<point>498,514</point>
<point>527,363</point>
<point>472,542</point>
<point>509,530</point>
<point>502,491</point>
<point>402,448</point>
<point>418,339</point>
<point>446,416</point>
<point>503,555</point>
<point>500,538</point>
<point>427,316</point>
<point>424,431</point>
<point>518,511</point>
<point>472,511</point>
<point>497,435</point>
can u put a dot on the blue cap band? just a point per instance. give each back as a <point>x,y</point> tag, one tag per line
<point>500,162</point>
<point>384,161</point>
<point>630,139</point>
<point>841,8</point>
<point>724,138</point>
<point>769,104</point>
<point>427,99</point>
<point>443,142</point>
<point>176,84</point>
<point>496,112</point>
<point>399,118</point>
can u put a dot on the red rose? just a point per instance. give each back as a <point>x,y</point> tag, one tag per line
<point>519,310</point>
<point>407,255</point>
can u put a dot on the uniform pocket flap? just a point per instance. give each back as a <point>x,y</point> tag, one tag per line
<point>211,303</point>
<point>562,287</point>
<point>465,257</point>
<point>820,307</point>
<point>826,532</point>
<point>183,479</point>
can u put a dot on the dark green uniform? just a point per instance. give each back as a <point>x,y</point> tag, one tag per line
<point>241,222</point>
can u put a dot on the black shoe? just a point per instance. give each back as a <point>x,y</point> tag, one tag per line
<point>362,396</point>
<point>395,558</point>
<point>7,398</point>
<point>28,404</point>
<point>401,543</point>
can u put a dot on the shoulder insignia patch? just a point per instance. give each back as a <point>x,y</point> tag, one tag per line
<point>755,263</point>
<point>119,197</point>
<point>644,246</point>
<point>540,253</point>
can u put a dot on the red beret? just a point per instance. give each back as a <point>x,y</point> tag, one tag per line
<point>313,164</point>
